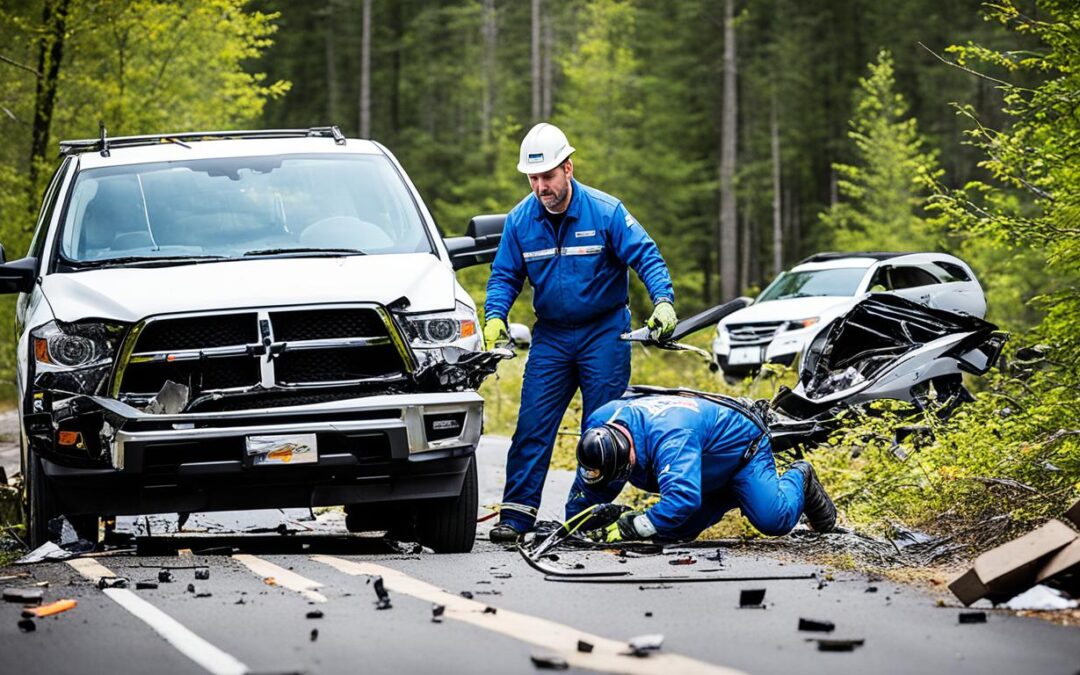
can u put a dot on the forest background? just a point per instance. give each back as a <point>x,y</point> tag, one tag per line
<point>744,135</point>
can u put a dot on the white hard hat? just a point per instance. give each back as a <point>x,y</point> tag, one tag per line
<point>544,148</point>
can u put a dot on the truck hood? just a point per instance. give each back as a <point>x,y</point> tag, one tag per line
<point>792,309</point>
<point>132,293</point>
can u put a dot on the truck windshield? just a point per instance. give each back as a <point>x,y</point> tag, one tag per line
<point>839,282</point>
<point>241,206</point>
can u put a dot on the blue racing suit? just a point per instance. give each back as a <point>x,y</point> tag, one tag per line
<point>691,451</point>
<point>580,294</point>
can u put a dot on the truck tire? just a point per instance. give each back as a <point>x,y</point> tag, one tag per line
<point>449,526</point>
<point>390,517</point>
<point>41,508</point>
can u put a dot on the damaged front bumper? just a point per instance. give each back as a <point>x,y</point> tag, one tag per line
<point>108,457</point>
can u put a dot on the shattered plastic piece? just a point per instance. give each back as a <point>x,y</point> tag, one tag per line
<point>202,573</point>
<point>491,610</point>
<point>648,614</point>
<point>145,585</point>
<point>26,596</point>
<point>314,634</point>
<point>549,662</point>
<point>270,581</point>
<point>501,575</point>
<point>204,594</point>
<point>112,582</point>
<point>816,626</point>
<point>467,595</point>
<point>584,647</point>
<point>824,645</point>
<point>27,625</point>
<point>871,589</point>
<point>751,597</point>
<point>437,612</point>
<point>1041,598</point>
<point>170,400</point>
<point>44,553</point>
<point>384,597</point>
<point>191,588</point>
<point>688,560</point>
<point>50,609</point>
<point>643,645</point>
<point>314,614</point>
<point>579,566</point>
<point>972,617</point>
<point>164,577</point>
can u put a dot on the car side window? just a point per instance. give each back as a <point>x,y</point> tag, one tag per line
<point>948,272</point>
<point>48,205</point>
<point>902,277</point>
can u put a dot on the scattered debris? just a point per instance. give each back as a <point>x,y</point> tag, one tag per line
<point>202,573</point>
<point>825,645</point>
<point>27,625</point>
<point>49,609</point>
<point>191,588</point>
<point>384,597</point>
<point>584,647</point>
<point>688,560</point>
<point>553,557</point>
<point>751,598</point>
<point>241,601</point>
<point>314,634</point>
<point>972,617</point>
<point>659,587</point>
<point>549,662</point>
<point>717,557</point>
<point>643,645</point>
<point>314,614</point>
<point>501,575</point>
<point>467,595</point>
<point>437,612</point>
<point>648,615</point>
<point>1005,571</point>
<point>164,577</point>
<point>204,594</point>
<point>816,626</point>
<point>112,582</point>
<point>26,596</point>
<point>871,589</point>
<point>1041,598</point>
<point>579,566</point>
<point>145,585</point>
<point>270,581</point>
<point>48,551</point>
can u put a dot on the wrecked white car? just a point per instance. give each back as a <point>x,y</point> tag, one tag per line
<point>234,320</point>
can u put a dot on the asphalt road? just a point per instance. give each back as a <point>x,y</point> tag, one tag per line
<point>235,621</point>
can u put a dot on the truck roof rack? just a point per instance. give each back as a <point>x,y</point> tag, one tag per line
<point>835,255</point>
<point>105,143</point>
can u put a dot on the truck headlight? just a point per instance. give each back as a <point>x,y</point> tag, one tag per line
<point>801,323</point>
<point>441,329</point>
<point>70,346</point>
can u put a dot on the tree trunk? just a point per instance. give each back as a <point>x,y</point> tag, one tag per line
<point>729,227</point>
<point>747,248</point>
<point>546,104</point>
<point>365,71</point>
<point>395,68</point>
<point>777,215</point>
<point>50,55</point>
<point>331,65</point>
<point>536,66</point>
<point>490,35</point>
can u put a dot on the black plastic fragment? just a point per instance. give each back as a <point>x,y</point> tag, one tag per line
<point>871,589</point>
<point>648,615</point>
<point>202,573</point>
<point>112,582</point>
<point>584,647</point>
<point>191,588</point>
<point>491,610</point>
<point>314,634</point>
<point>384,597</point>
<point>145,585</point>
<point>467,595</point>
<point>27,625</point>
<point>643,645</point>
<point>549,662</point>
<point>824,645</point>
<point>25,596</point>
<point>751,597</point>
<point>816,626</point>
<point>972,617</point>
<point>204,594</point>
<point>437,612</point>
<point>164,577</point>
<point>314,614</point>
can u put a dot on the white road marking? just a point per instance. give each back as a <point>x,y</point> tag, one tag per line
<point>175,633</point>
<point>607,655</point>
<point>282,577</point>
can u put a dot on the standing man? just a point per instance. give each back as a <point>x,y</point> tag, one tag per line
<point>574,245</point>
<point>704,455</point>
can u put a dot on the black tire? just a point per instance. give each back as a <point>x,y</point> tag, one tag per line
<point>449,526</point>
<point>41,507</point>
<point>392,517</point>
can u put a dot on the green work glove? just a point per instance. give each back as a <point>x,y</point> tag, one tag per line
<point>623,529</point>
<point>663,320</point>
<point>494,333</point>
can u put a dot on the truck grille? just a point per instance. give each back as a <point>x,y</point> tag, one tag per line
<point>753,333</point>
<point>261,351</point>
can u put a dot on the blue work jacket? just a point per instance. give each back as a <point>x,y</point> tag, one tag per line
<point>579,273</point>
<point>685,447</point>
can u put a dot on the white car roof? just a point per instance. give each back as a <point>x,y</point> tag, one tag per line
<point>213,149</point>
<point>856,261</point>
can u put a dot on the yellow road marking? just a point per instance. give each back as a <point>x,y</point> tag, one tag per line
<point>607,655</point>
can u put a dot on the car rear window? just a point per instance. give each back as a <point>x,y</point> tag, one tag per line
<point>842,282</point>
<point>235,206</point>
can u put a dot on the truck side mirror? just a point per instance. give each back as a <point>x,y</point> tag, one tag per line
<point>17,276</point>
<point>479,244</point>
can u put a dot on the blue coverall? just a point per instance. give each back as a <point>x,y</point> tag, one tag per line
<point>690,450</point>
<point>580,294</point>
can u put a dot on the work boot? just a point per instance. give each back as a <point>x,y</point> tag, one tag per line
<point>504,533</point>
<point>818,507</point>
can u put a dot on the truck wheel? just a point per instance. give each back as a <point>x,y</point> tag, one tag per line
<point>41,508</point>
<point>391,517</point>
<point>449,526</point>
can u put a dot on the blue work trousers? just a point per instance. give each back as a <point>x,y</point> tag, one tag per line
<point>770,502</point>
<point>561,359</point>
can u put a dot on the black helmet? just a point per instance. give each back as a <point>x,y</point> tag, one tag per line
<point>603,455</point>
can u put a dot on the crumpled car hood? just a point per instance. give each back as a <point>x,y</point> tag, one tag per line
<point>132,293</point>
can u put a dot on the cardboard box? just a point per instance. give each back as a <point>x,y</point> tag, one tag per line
<point>1073,514</point>
<point>1013,567</point>
<point>1062,570</point>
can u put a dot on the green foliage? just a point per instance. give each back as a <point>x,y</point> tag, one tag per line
<point>882,196</point>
